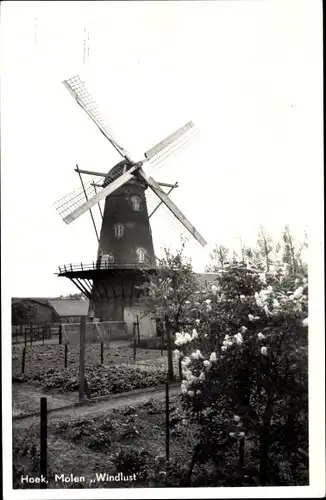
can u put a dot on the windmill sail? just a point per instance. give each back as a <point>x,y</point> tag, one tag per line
<point>79,91</point>
<point>171,144</point>
<point>106,191</point>
<point>75,199</point>
<point>173,208</point>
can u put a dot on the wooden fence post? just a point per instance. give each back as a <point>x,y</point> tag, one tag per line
<point>134,338</point>
<point>66,355</point>
<point>162,342</point>
<point>138,330</point>
<point>82,359</point>
<point>241,451</point>
<point>169,348</point>
<point>102,352</point>
<point>60,333</point>
<point>31,333</point>
<point>167,422</point>
<point>43,442</point>
<point>180,369</point>
<point>23,360</point>
<point>43,333</point>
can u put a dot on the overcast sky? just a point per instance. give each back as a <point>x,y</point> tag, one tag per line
<point>247,73</point>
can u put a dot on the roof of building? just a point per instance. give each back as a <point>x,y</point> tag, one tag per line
<point>40,300</point>
<point>206,278</point>
<point>70,307</point>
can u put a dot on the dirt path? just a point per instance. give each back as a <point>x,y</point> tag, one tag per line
<point>96,408</point>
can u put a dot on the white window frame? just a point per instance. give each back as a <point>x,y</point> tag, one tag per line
<point>136,202</point>
<point>141,254</point>
<point>106,259</point>
<point>118,230</point>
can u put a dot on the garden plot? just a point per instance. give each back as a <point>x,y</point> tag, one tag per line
<point>130,441</point>
<point>42,357</point>
<point>45,374</point>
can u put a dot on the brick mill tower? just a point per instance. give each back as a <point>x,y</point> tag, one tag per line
<point>125,249</point>
<point>114,281</point>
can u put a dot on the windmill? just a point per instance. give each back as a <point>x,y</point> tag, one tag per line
<point>125,246</point>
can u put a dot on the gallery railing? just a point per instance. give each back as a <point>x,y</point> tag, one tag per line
<point>105,265</point>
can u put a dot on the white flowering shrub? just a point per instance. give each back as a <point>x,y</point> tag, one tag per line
<point>243,350</point>
<point>245,367</point>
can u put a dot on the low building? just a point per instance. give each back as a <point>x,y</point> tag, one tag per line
<point>206,280</point>
<point>70,310</point>
<point>61,310</point>
<point>41,311</point>
<point>52,310</point>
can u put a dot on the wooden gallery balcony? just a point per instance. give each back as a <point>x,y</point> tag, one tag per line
<point>100,268</point>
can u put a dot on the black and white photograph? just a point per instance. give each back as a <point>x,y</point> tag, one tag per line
<point>162,249</point>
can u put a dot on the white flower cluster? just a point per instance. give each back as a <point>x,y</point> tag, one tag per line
<point>237,434</point>
<point>297,294</point>
<point>263,299</point>
<point>305,322</point>
<point>184,338</point>
<point>197,355</point>
<point>263,350</point>
<point>229,341</point>
<point>177,354</point>
<point>208,304</point>
<point>262,278</point>
<point>253,318</point>
<point>273,303</point>
<point>186,362</point>
<point>190,378</point>
<point>213,357</point>
<point>238,338</point>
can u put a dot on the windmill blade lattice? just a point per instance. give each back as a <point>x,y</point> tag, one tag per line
<point>75,199</point>
<point>182,137</point>
<point>67,204</point>
<point>79,91</point>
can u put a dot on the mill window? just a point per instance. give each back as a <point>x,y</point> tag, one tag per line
<point>136,203</point>
<point>118,231</point>
<point>141,254</point>
<point>106,259</point>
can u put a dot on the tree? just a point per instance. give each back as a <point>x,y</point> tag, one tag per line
<point>72,296</point>
<point>219,257</point>
<point>265,246</point>
<point>22,312</point>
<point>289,254</point>
<point>171,290</point>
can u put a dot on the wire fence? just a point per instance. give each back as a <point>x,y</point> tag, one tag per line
<point>35,333</point>
<point>35,353</point>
